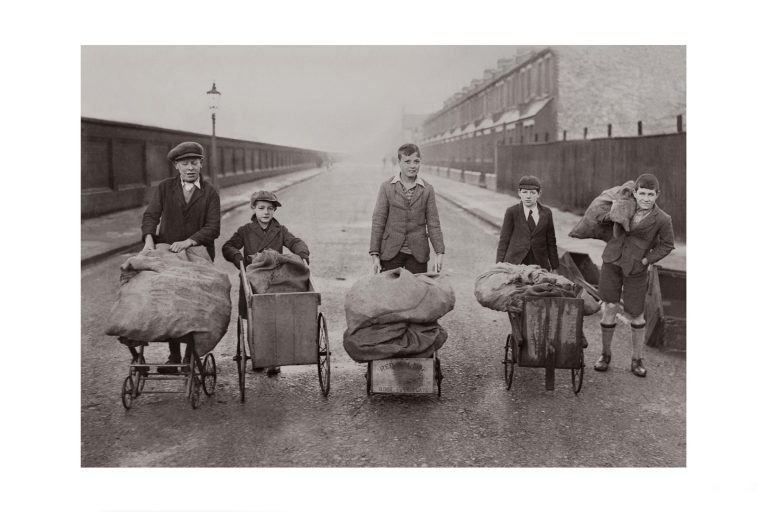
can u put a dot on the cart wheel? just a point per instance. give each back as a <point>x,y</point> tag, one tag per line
<point>240,357</point>
<point>438,376</point>
<point>368,388</point>
<point>509,362</point>
<point>323,355</point>
<point>577,376</point>
<point>141,377</point>
<point>209,375</point>
<point>128,392</point>
<point>194,396</point>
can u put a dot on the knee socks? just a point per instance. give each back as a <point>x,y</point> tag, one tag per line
<point>638,340</point>
<point>607,331</point>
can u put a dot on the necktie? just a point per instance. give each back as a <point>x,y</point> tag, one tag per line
<point>531,222</point>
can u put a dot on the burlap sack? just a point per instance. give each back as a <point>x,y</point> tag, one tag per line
<point>400,339</point>
<point>601,207</point>
<point>272,272</point>
<point>166,295</point>
<point>397,296</point>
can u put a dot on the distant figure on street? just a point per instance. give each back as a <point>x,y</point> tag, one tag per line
<point>528,234</point>
<point>624,273</point>
<point>188,211</point>
<point>263,232</point>
<point>404,217</point>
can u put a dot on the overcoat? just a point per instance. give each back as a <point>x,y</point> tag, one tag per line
<point>396,219</point>
<point>253,239</point>
<point>516,238</point>
<point>199,220</point>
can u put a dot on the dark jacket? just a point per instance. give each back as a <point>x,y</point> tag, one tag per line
<point>253,239</point>
<point>652,238</point>
<point>395,219</point>
<point>516,238</point>
<point>199,220</point>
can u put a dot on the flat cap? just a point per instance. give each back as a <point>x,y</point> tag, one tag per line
<point>648,181</point>
<point>186,150</point>
<point>529,183</point>
<point>264,195</point>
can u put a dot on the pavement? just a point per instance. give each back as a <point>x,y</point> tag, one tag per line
<point>118,232</point>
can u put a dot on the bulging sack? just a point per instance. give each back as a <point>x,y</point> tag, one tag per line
<point>504,285</point>
<point>398,296</point>
<point>166,295</point>
<point>616,204</point>
<point>272,272</point>
<point>400,339</point>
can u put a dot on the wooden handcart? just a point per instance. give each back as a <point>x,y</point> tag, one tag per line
<point>404,376</point>
<point>547,334</point>
<point>282,329</point>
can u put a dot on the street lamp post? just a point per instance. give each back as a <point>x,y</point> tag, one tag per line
<point>213,104</point>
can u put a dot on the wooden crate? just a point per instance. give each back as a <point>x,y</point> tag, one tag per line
<point>665,308</point>
<point>404,376</point>
<point>283,328</point>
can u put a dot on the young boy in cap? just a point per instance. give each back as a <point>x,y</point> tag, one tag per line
<point>624,273</point>
<point>528,234</point>
<point>188,211</point>
<point>263,232</point>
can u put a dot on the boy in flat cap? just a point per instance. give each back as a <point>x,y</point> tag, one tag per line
<point>188,211</point>
<point>624,273</point>
<point>263,232</point>
<point>528,234</point>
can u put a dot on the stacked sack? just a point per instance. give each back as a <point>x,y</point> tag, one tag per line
<point>168,295</point>
<point>395,313</point>
<point>616,204</point>
<point>272,272</point>
<point>504,285</point>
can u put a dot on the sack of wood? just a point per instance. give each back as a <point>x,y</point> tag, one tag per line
<point>397,296</point>
<point>615,204</point>
<point>166,295</point>
<point>272,272</point>
<point>504,285</point>
<point>399,339</point>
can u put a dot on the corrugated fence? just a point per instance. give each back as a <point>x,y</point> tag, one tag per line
<point>572,173</point>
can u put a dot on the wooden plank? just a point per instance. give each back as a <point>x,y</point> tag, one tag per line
<point>263,330</point>
<point>551,333</point>
<point>404,376</point>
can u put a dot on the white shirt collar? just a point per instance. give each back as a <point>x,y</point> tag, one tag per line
<point>419,181</point>
<point>534,210</point>
<point>186,185</point>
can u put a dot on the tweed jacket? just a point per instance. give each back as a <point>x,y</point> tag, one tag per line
<point>199,220</point>
<point>516,238</point>
<point>652,238</point>
<point>253,239</point>
<point>396,220</point>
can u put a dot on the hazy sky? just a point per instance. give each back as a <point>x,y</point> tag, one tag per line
<point>338,98</point>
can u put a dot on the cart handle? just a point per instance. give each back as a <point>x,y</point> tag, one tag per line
<point>245,284</point>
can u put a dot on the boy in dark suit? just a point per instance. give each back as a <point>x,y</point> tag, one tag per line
<point>624,273</point>
<point>528,234</point>
<point>263,232</point>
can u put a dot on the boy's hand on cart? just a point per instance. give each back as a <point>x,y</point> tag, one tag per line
<point>238,260</point>
<point>376,263</point>
<point>180,246</point>
<point>438,263</point>
<point>149,244</point>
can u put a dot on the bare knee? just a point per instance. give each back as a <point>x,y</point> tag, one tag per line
<point>609,313</point>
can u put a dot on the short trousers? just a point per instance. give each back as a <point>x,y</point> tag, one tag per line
<point>404,260</point>
<point>614,285</point>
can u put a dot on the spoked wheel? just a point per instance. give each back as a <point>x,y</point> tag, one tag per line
<point>139,375</point>
<point>240,357</point>
<point>209,375</point>
<point>128,392</point>
<point>323,356</point>
<point>194,395</point>
<point>438,376</point>
<point>577,376</point>
<point>509,361</point>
